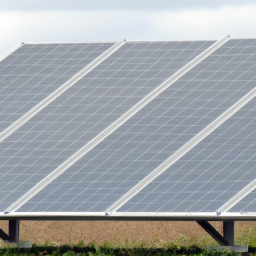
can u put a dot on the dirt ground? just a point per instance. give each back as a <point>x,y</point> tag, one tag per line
<point>71,232</point>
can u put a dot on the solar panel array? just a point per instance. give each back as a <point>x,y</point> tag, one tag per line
<point>204,179</point>
<point>210,174</point>
<point>34,71</point>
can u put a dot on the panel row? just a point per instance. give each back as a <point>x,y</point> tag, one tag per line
<point>147,139</point>
<point>83,111</point>
<point>34,71</point>
<point>210,174</point>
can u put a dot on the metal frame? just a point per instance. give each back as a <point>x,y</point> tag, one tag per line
<point>237,38</point>
<point>132,41</point>
<point>18,123</point>
<point>190,144</point>
<point>238,197</point>
<point>226,241</point>
<point>228,238</point>
<point>110,129</point>
<point>40,106</point>
<point>163,41</point>
<point>11,51</point>
<point>14,229</point>
<point>202,218</point>
<point>85,42</point>
<point>140,216</point>
<point>229,232</point>
<point>186,148</point>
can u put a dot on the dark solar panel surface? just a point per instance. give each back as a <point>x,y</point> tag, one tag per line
<point>210,174</point>
<point>247,204</point>
<point>112,168</point>
<point>34,71</point>
<point>86,109</point>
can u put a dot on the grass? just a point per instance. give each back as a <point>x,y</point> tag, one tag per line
<point>180,247</point>
<point>134,248</point>
<point>116,233</point>
<point>124,238</point>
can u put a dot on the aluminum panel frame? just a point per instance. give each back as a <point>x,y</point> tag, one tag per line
<point>131,216</point>
<point>109,130</point>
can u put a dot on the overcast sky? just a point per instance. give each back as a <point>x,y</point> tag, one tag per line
<point>111,20</point>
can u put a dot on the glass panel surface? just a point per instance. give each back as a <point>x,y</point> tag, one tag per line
<point>34,71</point>
<point>151,136</point>
<point>86,109</point>
<point>210,174</point>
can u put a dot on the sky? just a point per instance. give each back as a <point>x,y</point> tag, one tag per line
<point>114,20</point>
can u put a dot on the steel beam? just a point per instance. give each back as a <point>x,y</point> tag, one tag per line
<point>14,231</point>
<point>215,234</point>
<point>14,228</point>
<point>229,232</point>
<point>3,235</point>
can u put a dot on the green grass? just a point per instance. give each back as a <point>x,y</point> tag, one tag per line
<point>182,246</point>
<point>108,250</point>
<point>247,236</point>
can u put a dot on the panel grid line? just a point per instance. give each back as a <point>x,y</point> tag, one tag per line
<point>63,196</point>
<point>183,150</point>
<point>119,122</point>
<point>32,77</point>
<point>216,171</point>
<point>170,185</point>
<point>216,174</point>
<point>224,155</point>
<point>11,51</point>
<point>28,130</point>
<point>238,197</point>
<point>29,75</point>
<point>17,124</point>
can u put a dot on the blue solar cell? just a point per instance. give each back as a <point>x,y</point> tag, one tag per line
<point>246,204</point>
<point>87,108</point>
<point>30,75</point>
<point>213,177</point>
<point>130,151</point>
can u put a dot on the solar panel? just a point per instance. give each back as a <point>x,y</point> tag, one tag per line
<point>247,204</point>
<point>87,108</point>
<point>187,149</point>
<point>210,174</point>
<point>34,71</point>
<point>147,139</point>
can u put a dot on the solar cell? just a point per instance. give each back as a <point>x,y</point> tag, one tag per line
<point>247,204</point>
<point>82,112</point>
<point>140,145</point>
<point>34,71</point>
<point>210,174</point>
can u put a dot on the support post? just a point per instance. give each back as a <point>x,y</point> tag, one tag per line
<point>13,237</point>
<point>14,231</point>
<point>229,232</point>
<point>213,233</point>
<point>228,238</point>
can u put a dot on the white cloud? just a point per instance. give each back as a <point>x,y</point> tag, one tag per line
<point>17,27</point>
<point>142,5</point>
<point>208,24</point>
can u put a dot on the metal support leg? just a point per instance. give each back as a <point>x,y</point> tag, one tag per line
<point>229,232</point>
<point>13,236</point>
<point>228,238</point>
<point>14,231</point>
<point>213,233</point>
